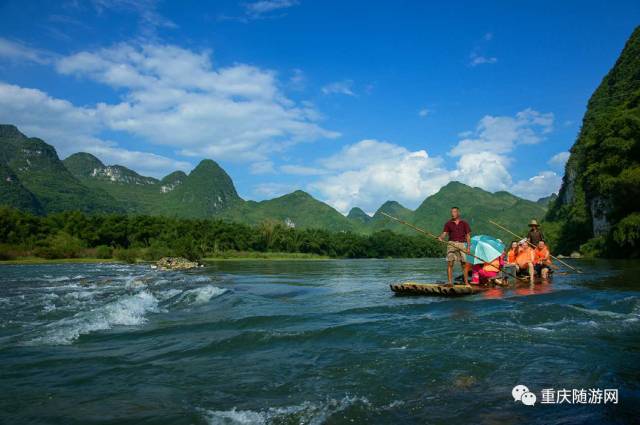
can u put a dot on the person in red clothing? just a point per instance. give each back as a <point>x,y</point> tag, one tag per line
<point>483,273</point>
<point>459,234</point>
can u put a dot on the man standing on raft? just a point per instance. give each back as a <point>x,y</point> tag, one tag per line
<point>459,232</point>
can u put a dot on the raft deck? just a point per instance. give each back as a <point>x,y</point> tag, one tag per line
<point>435,289</point>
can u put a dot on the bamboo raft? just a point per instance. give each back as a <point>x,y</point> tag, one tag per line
<point>435,289</point>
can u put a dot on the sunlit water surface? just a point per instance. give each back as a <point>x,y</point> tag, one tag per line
<point>312,342</point>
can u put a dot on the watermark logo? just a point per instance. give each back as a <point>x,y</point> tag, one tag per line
<point>522,394</point>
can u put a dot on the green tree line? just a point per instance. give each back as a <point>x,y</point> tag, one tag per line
<point>131,237</point>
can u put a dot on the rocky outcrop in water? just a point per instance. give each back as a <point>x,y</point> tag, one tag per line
<point>176,263</point>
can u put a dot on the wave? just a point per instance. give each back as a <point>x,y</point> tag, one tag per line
<point>201,295</point>
<point>306,413</point>
<point>127,311</point>
<point>58,279</point>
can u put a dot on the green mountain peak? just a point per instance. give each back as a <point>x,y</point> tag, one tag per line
<point>207,190</point>
<point>82,164</point>
<point>392,207</point>
<point>85,165</point>
<point>10,131</point>
<point>173,177</point>
<point>40,172</point>
<point>358,215</point>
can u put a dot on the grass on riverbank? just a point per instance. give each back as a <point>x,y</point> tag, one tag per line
<point>253,255</point>
<point>220,256</point>
<point>38,260</point>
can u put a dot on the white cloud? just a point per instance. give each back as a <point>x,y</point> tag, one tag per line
<point>339,87</point>
<point>362,154</point>
<point>149,19</point>
<point>423,112</point>
<point>483,169</point>
<point>20,52</point>
<point>370,171</point>
<point>559,160</point>
<point>71,129</point>
<point>543,184</point>
<point>145,163</point>
<point>476,59</point>
<point>261,9</point>
<point>172,97</point>
<point>478,55</point>
<point>301,170</point>
<point>38,114</point>
<point>501,134</point>
<point>262,167</point>
<point>367,173</point>
<point>272,190</point>
<point>298,79</point>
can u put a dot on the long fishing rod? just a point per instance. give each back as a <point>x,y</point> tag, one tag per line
<point>532,245</point>
<point>445,242</point>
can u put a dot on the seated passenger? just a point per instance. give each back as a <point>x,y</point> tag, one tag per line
<point>482,273</point>
<point>542,260</point>
<point>512,253</point>
<point>525,259</point>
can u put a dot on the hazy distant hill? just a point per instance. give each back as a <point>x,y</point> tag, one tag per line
<point>297,209</point>
<point>43,183</point>
<point>477,206</point>
<point>546,200</point>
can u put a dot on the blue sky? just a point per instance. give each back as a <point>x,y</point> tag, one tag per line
<point>355,102</point>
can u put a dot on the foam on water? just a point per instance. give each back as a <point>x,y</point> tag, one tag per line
<point>305,413</point>
<point>128,310</point>
<point>169,293</point>
<point>58,279</point>
<point>201,295</point>
<point>271,342</point>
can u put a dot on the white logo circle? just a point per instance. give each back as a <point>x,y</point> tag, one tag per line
<point>529,399</point>
<point>518,391</point>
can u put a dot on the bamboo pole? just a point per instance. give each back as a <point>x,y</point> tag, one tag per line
<point>444,242</point>
<point>518,236</point>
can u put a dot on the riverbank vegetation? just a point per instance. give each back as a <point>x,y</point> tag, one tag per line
<point>132,238</point>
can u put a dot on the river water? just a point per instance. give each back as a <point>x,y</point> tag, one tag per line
<point>244,342</point>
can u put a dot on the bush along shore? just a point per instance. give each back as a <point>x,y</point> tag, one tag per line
<point>131,238</point>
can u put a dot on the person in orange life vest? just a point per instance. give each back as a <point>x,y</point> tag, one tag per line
<point>512,253</point>
<point>542,260</point>
<point>525,259</point>
<point>483,272</point>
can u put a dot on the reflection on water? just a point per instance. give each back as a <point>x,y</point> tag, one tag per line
<point>310,342</point>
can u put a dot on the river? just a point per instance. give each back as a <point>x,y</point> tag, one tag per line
<point>288,342</point>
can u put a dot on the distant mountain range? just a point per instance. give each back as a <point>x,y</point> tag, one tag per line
<point>35,179</point>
